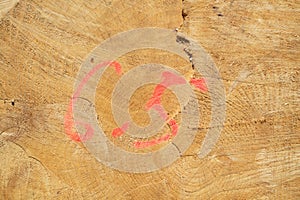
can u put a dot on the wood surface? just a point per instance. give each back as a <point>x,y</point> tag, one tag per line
<point>255,46</point>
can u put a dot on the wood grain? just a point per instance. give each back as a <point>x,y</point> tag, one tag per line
<point>255,46</point>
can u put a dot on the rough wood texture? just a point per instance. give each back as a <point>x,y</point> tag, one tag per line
<point>255,46</point>
<point>6,5</point>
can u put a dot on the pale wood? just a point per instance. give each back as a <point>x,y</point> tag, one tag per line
<point>6,5</point>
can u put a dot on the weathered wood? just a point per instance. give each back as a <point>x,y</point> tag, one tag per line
<point>255,46</point>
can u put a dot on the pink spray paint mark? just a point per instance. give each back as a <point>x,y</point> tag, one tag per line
<point>154,102</point>
<point>156,97</point>
<point>117,132</point>
<point>161,111</point>
<point>174,127</point>
<point>144,144</point>
<point>169,79</point>
<point>199,83</point>
<point>69,123</point>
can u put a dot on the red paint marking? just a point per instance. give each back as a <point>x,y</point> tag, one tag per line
<point>199,83</point>
<point>161,111</point>
<point>69,124</point>
<point>145,144</point>
<point>172,123</point>
<point>68,120</point>
<point>156,97</point>
<point>169,79</point>
<point>117,66</point>
<point>120,131</point>
<point>172,79</point>
<point>174,127</point>
<point>164,138</point>
<point>154,102</point>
